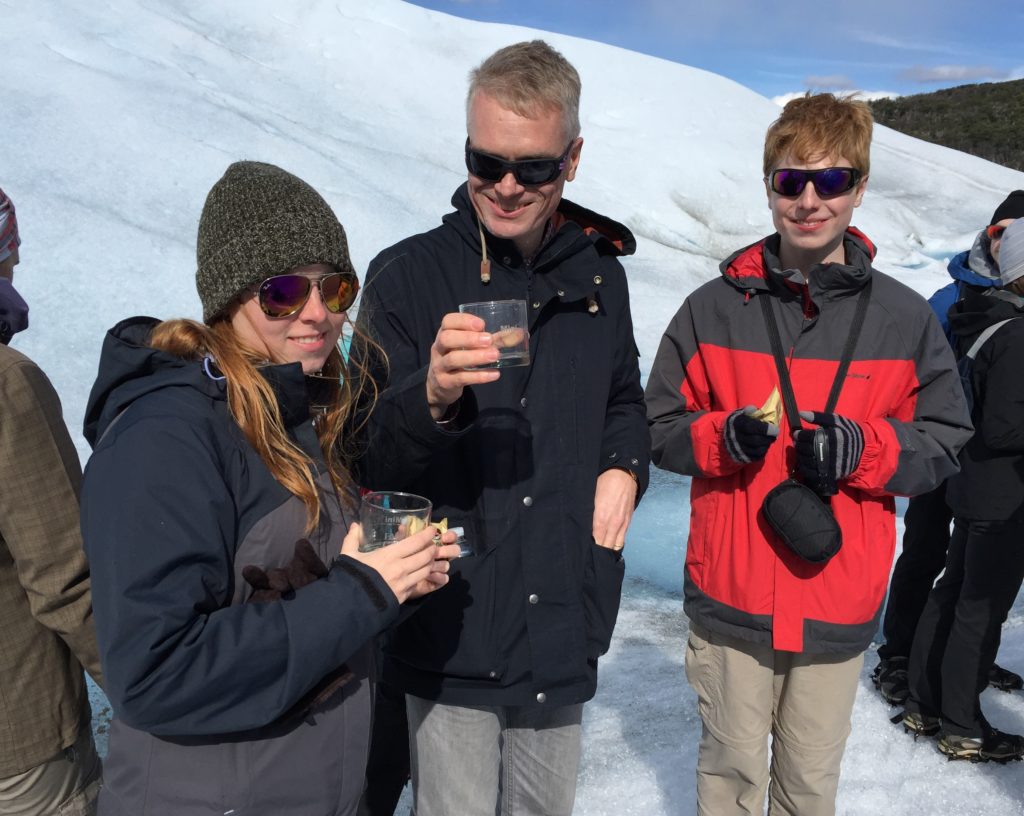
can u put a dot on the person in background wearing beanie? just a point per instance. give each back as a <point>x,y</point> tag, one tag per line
<point>927,520</point>
<point>236,641</point>
<point>777,639</point>
<point>958,635</point>
<point>542,465</point>
<point>48,762</point>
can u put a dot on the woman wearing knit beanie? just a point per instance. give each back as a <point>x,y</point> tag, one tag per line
<point>234,612</point>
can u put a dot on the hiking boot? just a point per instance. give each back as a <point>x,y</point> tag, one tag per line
<point>890,678</point>
<point>994,746</point>
<point>1004,679</point>
<point>920,725</point>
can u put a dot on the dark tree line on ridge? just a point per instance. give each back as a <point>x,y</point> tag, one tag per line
<point>984,120</point>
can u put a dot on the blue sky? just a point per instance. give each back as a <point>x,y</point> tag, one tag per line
<point>901,46</point>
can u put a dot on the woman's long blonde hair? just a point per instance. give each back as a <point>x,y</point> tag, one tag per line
<point>253,405</point>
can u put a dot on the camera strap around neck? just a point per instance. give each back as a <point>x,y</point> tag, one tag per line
<point>788,399</point>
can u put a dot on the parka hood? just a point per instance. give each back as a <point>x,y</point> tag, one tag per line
<point>980,263</point>
<point>976,312</point>
<point>975,266</point>
<point>130,369</point>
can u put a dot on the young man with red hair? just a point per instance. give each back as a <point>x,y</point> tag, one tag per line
<point>776,641</point>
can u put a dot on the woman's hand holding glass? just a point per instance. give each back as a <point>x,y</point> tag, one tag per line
<point>412,567</point>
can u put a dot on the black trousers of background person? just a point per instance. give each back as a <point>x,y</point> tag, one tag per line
<point>958,634</point>
<point>387,768</point>
<point>925,541</point>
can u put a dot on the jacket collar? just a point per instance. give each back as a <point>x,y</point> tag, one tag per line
<point>574,229</point>
<point>565,265</point>
<point>757,268</point>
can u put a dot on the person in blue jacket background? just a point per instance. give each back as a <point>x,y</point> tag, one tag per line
<point>926,522</point>
<point>959,631</point>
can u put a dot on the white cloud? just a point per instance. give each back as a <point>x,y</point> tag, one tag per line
<point>866,96</point>
<point>869,96</point>
<point>953,73</point>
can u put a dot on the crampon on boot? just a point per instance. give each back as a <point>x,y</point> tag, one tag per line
<point>993,746</point>
<point>890,678</point>
<point>1004,679</point>
<point>920,725</point>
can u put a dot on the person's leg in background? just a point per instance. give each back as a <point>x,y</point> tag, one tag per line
<point>387,768</point>
<point>993,571</point>
<point>924,703</point>
<point>925,541</point>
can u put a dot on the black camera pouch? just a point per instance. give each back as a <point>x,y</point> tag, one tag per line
<point>803,521</point>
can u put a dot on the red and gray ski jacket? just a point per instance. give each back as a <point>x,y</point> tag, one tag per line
<point>902,389</point>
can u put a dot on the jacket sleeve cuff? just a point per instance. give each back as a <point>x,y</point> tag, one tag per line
<point>879,460</point>
<point>634,464</point>
<point>709,451</point>
<point>376,588</point>
<point>411,397</point>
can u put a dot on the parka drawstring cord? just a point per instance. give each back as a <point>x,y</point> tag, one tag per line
<point>210,368</point>
<point>485,262</point>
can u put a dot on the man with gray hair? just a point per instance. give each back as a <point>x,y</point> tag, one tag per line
<point>541,465</point>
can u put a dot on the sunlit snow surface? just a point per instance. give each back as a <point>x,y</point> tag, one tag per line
<point>119,116</point>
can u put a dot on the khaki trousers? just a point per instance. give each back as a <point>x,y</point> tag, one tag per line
<point>67,785</point>
<point>747,692</point>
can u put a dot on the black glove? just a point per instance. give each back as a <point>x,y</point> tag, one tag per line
<point>828,453</point>
<point>747,439</point>
<point>270,585</point>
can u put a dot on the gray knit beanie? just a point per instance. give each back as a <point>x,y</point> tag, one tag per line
<point>1011,253</point>
<point>260,221</point>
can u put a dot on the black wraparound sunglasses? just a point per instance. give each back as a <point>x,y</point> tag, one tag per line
<point>829,181</point>
<point>529,172</point>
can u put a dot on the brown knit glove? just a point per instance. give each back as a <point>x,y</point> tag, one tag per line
<point>273,584</point>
